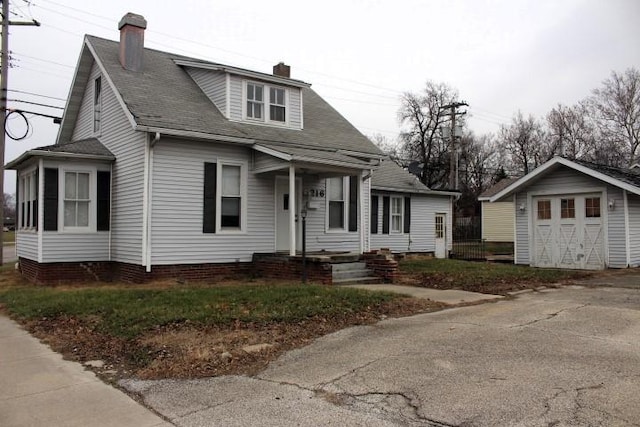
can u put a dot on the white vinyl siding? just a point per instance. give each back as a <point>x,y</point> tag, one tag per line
<point>213,84</point>
<point>177,207</point>
<point>498,221</point>
<point>317,236</point>
<point>263,161</point>
<point>634,229</point>
<point>422,235</point>
<point>27,245</point>
<point>75,247</point>
<point>128,171</point>
<point>565,182</point>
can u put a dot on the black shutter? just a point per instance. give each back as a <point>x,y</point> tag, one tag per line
<point>50,199</point>
<point>34,211</point>
<point>353,203</point>
<point>407,214</point>
<point>386,208</point>
<point>19,224</point>
<point>103,206</point>
<point>374,214</point>
<point>209,211</point>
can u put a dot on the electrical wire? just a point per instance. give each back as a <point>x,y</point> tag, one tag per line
<point>26,121</point>
<point>36,94</point>
<point>36,103</point>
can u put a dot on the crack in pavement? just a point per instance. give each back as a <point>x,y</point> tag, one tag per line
<point>549,316</point>
<point>387,405</point>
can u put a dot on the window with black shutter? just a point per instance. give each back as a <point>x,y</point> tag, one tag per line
<point>407,214</point>
<point>353,203</point>
<point>209,210</point>
<point>50,199</point>
<point>103,204</point>
<point>374,214</point>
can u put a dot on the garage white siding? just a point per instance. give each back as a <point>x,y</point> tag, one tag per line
<point>634,229</point>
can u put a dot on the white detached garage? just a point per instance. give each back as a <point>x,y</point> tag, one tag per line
<point>576,214</point>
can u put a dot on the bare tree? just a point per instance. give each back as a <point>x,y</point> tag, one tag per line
<point>524,142</point>
<point>571,132</point>
<point>390,148</point>
<point>616,106</point>
<point>422,116</point>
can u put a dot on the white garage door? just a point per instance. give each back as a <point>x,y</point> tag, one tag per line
<point>568,232</point>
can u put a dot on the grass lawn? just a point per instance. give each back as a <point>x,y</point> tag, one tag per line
<point>166,330</point>
<point>480,276</point>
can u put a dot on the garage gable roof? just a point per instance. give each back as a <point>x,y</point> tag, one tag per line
<point>617,177</point>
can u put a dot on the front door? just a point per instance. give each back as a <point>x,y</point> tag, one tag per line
<point>283,203</point>
<point>441,236</point>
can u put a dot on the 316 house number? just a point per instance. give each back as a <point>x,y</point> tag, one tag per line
<point>315,192</point>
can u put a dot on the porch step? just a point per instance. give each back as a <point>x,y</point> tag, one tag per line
<point>352,272</point>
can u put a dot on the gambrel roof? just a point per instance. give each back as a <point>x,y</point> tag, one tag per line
<point>622,178</point>
<point>164,98</point>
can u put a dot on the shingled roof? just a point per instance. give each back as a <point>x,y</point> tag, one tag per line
<point>90,149</point>
<point>622,178</point>
<point>496,188</point>
<point>163,95</point>
<point>390,176</point>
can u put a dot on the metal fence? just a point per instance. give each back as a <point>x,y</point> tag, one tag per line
<point>467,239</point>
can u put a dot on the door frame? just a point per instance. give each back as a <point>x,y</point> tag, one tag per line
<point>443,253</point>
<point>278,179</point>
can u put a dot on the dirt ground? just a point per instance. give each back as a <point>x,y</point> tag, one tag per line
<point>192,351</point>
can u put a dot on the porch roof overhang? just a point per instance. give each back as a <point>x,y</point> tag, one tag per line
<point>94,151</point>
<point>448,193</point>
<point>316,160</point>
<point>551,165</point>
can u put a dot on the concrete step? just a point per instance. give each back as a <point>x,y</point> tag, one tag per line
<point>351,274</point>
<point>358,280</point>
<point>344,258</point>
<point>349,266</point>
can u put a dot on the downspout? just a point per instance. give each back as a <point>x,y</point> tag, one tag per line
<point>110,208</point>
<point>146,207</point>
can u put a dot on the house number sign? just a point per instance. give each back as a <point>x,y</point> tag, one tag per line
<point>314,192</point>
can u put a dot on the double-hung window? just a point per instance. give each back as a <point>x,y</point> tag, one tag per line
<point>97,104</point>
<point>396,214</point>
<point>76,199</point>
<point>265,103</point>
<point>28,200</point>
<point>336,197</point>
<point>225,197</point>
<point>277,108</point>
<point>231,197</point>
<point>255,101</point>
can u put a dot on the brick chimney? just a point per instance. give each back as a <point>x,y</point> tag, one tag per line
<point>132,28</point>
<point>282,70</point>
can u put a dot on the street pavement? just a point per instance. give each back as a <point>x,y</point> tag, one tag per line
<point>9,253</point>
<point>567,356</point>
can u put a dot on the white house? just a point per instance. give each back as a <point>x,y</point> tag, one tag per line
<point>576,214</point>
<point>166,164</point>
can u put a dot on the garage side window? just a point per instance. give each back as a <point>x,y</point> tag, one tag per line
<point>567,208</point>
<point>592,207</point>
<point>544,209</point>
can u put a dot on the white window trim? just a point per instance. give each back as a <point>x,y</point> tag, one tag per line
<point>243,197</point>
<point>401,214</point>
<point>266,99</point>
<point>62,173</point>
<point>345,206</point>
<point>31,172</point>
<point>97,131</point>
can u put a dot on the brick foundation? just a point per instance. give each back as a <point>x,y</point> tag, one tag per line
<point>383,264</point>
<point>105,271</point>
<point>290,268</point>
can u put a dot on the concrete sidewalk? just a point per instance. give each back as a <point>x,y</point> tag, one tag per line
<point>447,296</point>
<point>39,388</point>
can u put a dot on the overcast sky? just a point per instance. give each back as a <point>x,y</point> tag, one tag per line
<point>360,55</point>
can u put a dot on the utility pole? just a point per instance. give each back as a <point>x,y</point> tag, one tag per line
<point>4,74</point>
<point>453,173</point>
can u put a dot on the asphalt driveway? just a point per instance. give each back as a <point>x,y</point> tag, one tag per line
<point>568,356</point>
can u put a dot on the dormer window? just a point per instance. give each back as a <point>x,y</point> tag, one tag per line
<point>258,96</point>
<point>277,108</point>
<point>255,101</point>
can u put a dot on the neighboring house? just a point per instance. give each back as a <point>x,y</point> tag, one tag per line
<point>498,222</point>
<point>407,216</point>
<point>576,214</point>
<point>165,164</point>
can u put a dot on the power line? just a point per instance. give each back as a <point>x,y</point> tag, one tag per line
<point>43,60</point>
<point>36,103</point>
<point>36,94</point>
